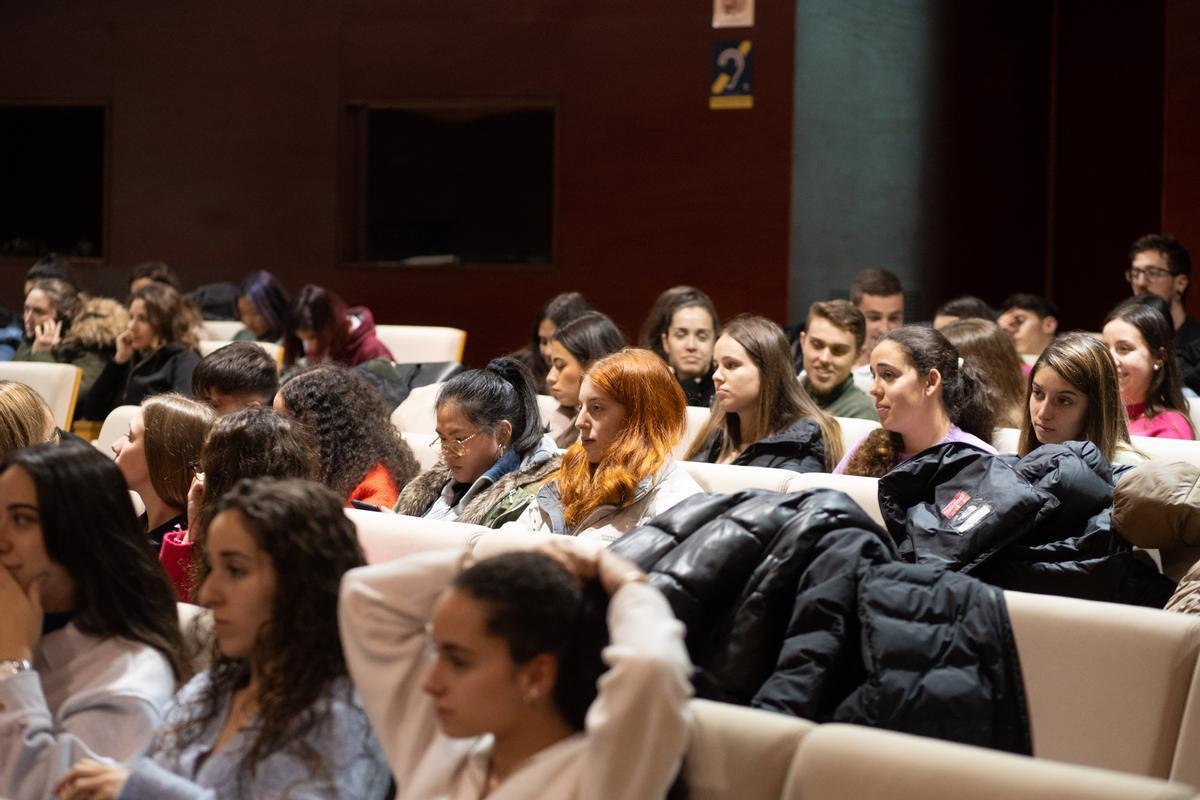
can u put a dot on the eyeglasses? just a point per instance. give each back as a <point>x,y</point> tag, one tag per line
<point>453,445</point>
<point>1149,273</point>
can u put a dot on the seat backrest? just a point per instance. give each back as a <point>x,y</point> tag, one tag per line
<point>116,425</point>
<point>422,447</point>
<point>419,344</point>
<point>195,623</point>
<point>854,429</point>
<point>1006,440</point>
<point>1186,767</point>
<point>220,329</point>
<point>546,406</point>
<point>418,412</point>
<point>385,536</point>
<point>208,346</point>
<point>1194,413</point>
<point>836,761</point>
<point>58,385</point>
<point>1168,449</point>
<point>737,753</point>
<point>1106,684</point>
<point>696,417</point>
<point>729,478</point>
<point>862,490</point>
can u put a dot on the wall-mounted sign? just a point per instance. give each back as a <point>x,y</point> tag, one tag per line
<point>733,13</point>
<point>731,86</point>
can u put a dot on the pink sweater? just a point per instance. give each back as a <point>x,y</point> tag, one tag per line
<point>1165,425</point>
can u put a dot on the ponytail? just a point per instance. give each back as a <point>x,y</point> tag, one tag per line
<point>968,403</point>
<point>503,390</point>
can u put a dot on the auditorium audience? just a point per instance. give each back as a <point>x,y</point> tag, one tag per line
<point>51,265</point>
<point>924,398</point>
<point>965,307</point>
<point>833,337</point>
<point>762,416</point>
<point>25,419</point>
<point>276,714</point>
<point>1030,320</point>
<point>90,645</point>
<point>236,376</point>
<point>362,457</point>
<point>1143,347</point>
<point>989,349</point>
<point>264,307</point>
<point>523,693</point>
<point>494,456</point>
<point>156,456</point>
<point>327,330</point>
<point>682,329</point>
<point>156,353</point>
<point>558,311</point>
<point>620,473</point>
<point>1074,395</point>
<point>252,443</point>
<point>573,348</point>
<point>878,295</point>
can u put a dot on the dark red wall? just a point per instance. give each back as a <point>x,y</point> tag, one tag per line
<point>1181,133</point>
<point>225,143</point>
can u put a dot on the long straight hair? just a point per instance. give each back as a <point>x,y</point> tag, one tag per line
<point>176,427</point>
<point>1165,392</point>
<point>984,344</point>
<point>655,415</point>
<point>781,399</point>
<point>1083,361</point>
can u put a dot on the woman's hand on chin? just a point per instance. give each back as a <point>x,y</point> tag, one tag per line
<point>21,622</point>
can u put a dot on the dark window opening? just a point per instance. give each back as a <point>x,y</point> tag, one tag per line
<point>52,170</point>
<point>461,185</point>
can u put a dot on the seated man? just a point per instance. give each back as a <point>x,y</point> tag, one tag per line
<point>832,339</point>
<point>1161,265</point>
<point>239,375</point>
<point>878,295</point>
<point>1031,321</point>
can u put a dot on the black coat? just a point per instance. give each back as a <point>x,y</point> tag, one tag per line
<point>168,369</point>
<point>798,447</point>
<point>1038,524</point>
<point>796,603</point>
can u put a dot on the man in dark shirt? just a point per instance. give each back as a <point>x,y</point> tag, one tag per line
<point>1161,265</point>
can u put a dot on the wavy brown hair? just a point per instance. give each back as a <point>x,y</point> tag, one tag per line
<point>297,658</point>
<point>781,398</point>
<point>172,315</point>
<point>984,344</point>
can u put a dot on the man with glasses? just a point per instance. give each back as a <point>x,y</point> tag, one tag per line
<point>1161,266</point>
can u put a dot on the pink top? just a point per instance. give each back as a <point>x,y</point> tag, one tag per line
<point>176,558</point>
<point>1165,425</point>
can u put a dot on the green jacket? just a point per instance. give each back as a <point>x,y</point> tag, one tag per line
<point>845,401</point>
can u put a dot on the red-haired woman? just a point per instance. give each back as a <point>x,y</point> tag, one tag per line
<point>620,473</point>
<point>328,331</point>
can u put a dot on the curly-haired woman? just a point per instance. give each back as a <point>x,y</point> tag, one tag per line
<point>362,456</point>
<point>276,714</point>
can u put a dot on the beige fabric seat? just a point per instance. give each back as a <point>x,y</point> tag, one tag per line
<point>737,753</point>
<point>1168,449</point>
<point>422,344</point>
<point>862,490</point>
<point>844,762</point>
<point>116,425</point>
<point>729,478</point>
<point>854,429</point>
<point>195,623</point>
<point>1106,684</point>
<point>423,448</point>
<point>696,417</point>
<point>1006,440</point>
<point>219,329</point>
<point>58,385</point>
<point>418,412</point>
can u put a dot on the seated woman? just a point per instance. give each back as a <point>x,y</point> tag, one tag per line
<point>512,697</point>
<point>276,714</point>
<point>988,348</point>
<point>25,419</point>
<point>1074,395</point>
<point>155,354</point>
<point>263,306</point>
<point>763,417</point>
<point>90,647</point>
<point>575,347</point>
<point>620,473</point>
<point>1142,344</point>
<point>558,311</point>
<point>328,331</point>
<point>682,328</point>
<point>156,457</point>
<point>252,443</point>
<point>494,456</point>
<point>924,397</point>
<point>361,455</point>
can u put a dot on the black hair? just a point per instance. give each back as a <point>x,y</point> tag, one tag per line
<point>239,369</point>
<point>966,307</point>
<point>535,607</point>
<point>560,309</point>
<point>1030,302</point>
<point>271,299</point>
<point>1178,260</point>
<point>52,265</point>
<point>1151,316</point>
<point>658,321</point>
<point>89,528</point>
<point>156,271</point>
<point>350,422</point>
<point>503,390</point>
<point>590,337</point>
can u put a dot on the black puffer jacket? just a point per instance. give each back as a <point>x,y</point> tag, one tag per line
<point>796,603</point>
<point>1038,524</point>
<point>798,447</point>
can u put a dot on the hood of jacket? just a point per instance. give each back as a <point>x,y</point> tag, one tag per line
<point>98,324</point>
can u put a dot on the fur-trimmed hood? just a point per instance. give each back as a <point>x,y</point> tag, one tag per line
<point>98,324</point>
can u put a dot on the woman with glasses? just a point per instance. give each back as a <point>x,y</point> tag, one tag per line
<point>620,473</point>
<point>361,455</point>
<point>156,457</point>
<point>494,456</point>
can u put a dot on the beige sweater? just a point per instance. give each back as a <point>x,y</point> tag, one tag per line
<point>635,733</point>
